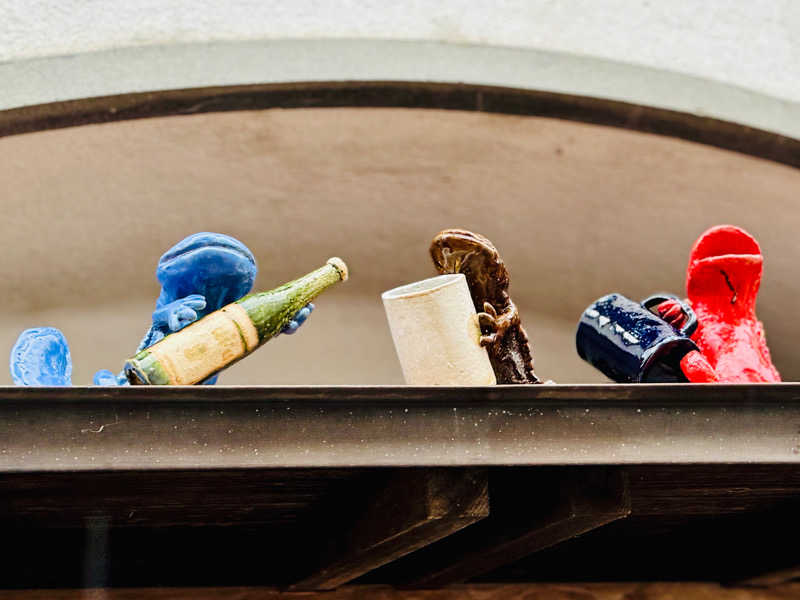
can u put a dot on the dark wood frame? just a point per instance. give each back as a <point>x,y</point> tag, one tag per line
<point>400,94</point>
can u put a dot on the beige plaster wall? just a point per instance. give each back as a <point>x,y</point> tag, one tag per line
<point>576,210</point>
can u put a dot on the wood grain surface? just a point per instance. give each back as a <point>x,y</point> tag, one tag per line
<point>248,527</point>
<point>540,591</point>
<point>531,512</point>
<point>409,511</point>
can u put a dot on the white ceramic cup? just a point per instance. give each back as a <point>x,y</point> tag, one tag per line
<point>436,333</point>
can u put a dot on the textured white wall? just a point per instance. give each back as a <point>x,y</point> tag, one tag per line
<point>726,58</point>
<point>755,44</point>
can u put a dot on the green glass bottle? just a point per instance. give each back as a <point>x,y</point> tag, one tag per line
<point>219,339</point>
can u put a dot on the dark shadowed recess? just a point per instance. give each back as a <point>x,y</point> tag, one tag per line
<point>137,528</point>
<point>446,96</point>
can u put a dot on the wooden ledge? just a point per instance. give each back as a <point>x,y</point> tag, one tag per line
<point>532,591</point>
<point>204,427</point>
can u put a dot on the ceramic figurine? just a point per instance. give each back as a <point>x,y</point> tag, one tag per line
<point>41,357</point>
<point>722,283</point>
<point>718,318</point>
<point>436,333</point>
<point>223,337</point>
<point>630,343</point>
<point>199,275</point>
<point>461,251</point>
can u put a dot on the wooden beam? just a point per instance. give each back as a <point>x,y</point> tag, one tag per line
<point>531,510</point>
<point>415,508</point>
<point>775,578</point>
<point>170,498</point>
<point>43,430</point>
<point>531,591</point>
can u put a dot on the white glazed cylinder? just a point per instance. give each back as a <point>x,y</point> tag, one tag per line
<point>436,333</point>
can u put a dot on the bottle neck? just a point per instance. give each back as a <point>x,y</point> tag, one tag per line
<point>272,311</point>
<point>312,284</point>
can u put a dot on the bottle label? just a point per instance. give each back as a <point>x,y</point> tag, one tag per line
<point>206,346</point>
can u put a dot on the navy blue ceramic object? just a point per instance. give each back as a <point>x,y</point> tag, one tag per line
<point>631,344</point>
<point>41,356</point>
<point>198,275</point>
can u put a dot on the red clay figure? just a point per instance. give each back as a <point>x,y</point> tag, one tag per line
<point>722,283</point>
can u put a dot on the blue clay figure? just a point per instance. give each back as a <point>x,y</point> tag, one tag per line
<point>41,357</point>
<point>198,275</point>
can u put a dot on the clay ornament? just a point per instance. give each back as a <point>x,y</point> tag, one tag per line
<point>41,357</point>
<point>223,337</point>
<point>722,282</point>
<point>198,275</point>
<point>719,319</point>
<point>436,333</point>
<point>461,251</point>
<point>630,343</point>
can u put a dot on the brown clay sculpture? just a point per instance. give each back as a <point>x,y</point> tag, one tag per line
<point>462,251</point>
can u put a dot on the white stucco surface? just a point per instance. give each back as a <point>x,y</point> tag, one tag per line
<point>738,61</point>
<point>755,44</point>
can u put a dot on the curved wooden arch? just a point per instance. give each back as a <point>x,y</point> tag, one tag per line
<point>445,96</point>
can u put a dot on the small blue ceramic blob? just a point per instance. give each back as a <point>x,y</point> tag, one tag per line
<point>198,275</point>
<point>631,344</point>
<point>41,357</point>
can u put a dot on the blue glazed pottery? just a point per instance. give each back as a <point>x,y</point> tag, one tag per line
<point>198,275</point>
<point>41,356</point>
<point>631,344</point>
